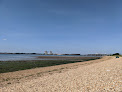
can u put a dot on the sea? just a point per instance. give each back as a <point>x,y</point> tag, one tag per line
<point>19,57</point>
<point>15,57</point>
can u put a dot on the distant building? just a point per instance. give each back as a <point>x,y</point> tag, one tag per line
<point>51,53</point>
<point>46,53</point>
<point>96,54</point>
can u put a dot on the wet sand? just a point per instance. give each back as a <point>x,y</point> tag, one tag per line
<point>102,75</point>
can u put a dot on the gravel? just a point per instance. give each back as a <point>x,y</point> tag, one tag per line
<point>104,76</point>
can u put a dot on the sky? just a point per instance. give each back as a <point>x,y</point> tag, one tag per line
<point>61,26</point>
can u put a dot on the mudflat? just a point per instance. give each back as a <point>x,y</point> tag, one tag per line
<point>66,57</point>
<point>100,75</point>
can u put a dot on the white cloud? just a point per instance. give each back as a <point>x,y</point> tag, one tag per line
<point>4,39</point>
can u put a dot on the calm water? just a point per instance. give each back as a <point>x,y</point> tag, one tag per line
<point>15,57</point>
<point>11,57</point>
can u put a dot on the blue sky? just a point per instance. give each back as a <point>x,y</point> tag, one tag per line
<point>62,26</point>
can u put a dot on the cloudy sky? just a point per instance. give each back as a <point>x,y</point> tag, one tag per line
<point>63,26</point>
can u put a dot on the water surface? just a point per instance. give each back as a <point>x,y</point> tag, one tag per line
<point>16,57</point>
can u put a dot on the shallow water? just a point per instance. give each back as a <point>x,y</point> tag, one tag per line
<point>11,57</point>
<point>16,57</point>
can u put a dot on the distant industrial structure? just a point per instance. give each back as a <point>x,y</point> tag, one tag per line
<point>46,53</point>
<point>50,53</point>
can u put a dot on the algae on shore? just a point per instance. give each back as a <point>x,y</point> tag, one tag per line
<point>10,66</point>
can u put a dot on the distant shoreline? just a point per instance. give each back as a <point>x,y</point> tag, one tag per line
<point>18,53</point>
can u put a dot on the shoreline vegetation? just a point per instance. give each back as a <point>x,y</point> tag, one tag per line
<point>117,54</point>
<point>11,66</point>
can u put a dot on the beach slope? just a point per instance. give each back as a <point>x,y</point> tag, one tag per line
<point>103,76</point>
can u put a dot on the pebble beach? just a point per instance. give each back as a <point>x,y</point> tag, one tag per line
<point>103,76</point>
